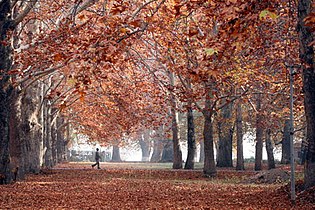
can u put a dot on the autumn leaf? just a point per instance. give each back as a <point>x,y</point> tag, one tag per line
<point>211,51</point>
<point>124,30</point>
<point>148,186</point>
<point>58,57</point>
<point>266,13</point>
<point>177,9</point>
<point>62,106</point>
<point>82,17</point>
<point>136,23</point>
<point>193,32</point>
<point>71,81</point>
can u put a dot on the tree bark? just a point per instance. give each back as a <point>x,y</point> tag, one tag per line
<point>42,93</point>
<point>61,150</point>
<point>177,159</point>
<point>209,168</point>
<point>32,106</point>
<point>304,147</point>
<point>168,151</point>
<point>48,156</point>
<point>5,89</point>
<point>157,145</point>
<point>306,37</point>
<point>145,146</point>
<point>259,136</point>
<point>25,131</point>
<point>157,150</point>
<point>285,143</point>
<point>239,137</point>
<point>36,135</point>
<point>18,129</point>
<point>269,149</point>
<point>116,154</point>
<point>191,142</point>
<point>202,152</point>
<point>225,128</point>
<point>53,125</point>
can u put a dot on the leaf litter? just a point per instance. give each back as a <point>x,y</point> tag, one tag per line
<point>79,187</point>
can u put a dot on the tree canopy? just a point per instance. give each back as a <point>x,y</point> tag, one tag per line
<point>114,67</point>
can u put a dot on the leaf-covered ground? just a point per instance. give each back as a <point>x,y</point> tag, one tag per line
<point>130,186</point>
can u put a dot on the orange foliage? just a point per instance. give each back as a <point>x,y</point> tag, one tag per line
<point>113,57</point>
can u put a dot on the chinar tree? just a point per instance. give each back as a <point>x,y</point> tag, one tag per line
<point>306,38</point>
<point>9,21</point>
<point>5,88</point>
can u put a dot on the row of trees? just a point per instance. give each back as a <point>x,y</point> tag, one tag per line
<point>112,68</point>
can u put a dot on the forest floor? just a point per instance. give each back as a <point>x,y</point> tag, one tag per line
<point>148,186</point>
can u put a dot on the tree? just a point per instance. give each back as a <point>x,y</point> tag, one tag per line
<point>5,87</point>
<point>239,138</point>
<point>259,135</point>
<point>225,129</point>
<point>107,68</point>
<point>285,143</point>
<point>269,149</point>
<point>9,20</point>
<point>306,38</point>
<point>145,145</point>
<point>177,159</point>
<point>116,154</point>
<point>209,164</point>
<point>191,142</point>
<point>168,151</point>
<point>158,145</point>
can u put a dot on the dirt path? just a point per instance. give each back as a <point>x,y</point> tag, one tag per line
<point>75,186</point>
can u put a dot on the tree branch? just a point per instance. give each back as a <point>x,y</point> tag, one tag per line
<point>24,13</point>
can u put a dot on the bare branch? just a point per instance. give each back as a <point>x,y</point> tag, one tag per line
<point>86,5</point>
<point>41,74</point>
<point>250,101</point>
<point>24,13</point>
<point>141,7</point>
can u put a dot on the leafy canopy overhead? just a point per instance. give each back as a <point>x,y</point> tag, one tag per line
<point>110,60</point>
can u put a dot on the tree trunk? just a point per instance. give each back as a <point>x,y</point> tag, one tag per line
<point>259,136</point>
<point>42,120</point>
<point>48,156</point>
<point>209,168</point>
<point>144,142</point>
<point>168,151</point>
<point>31,105</point>
<point>202,152</point>
<point>53,125</point>
<point>285,157</point>
<point>5,89</point>
<point>61,151</point>
<point>269,149</point>
<point>304,147</point>
<point>116,154</point>
<point>239,137</point>
<point>68,140</point>
<point>25,132</point>
<point>306,37</point>
<point>177,159</point>
<point>157,145</point>
<point>191,142</point>
<point>225,125</point>
<point>18,129</point>
<point>157,150</point>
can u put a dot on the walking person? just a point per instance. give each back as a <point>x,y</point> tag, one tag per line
<point>97,159</point>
